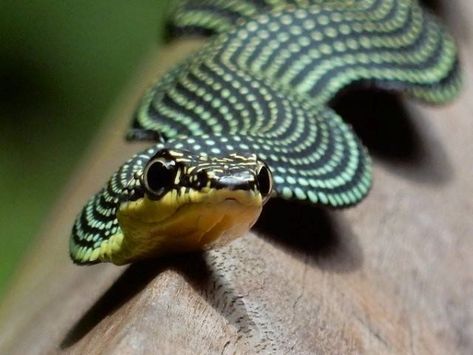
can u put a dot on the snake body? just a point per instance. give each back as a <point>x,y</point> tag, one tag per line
<point>261,87</point>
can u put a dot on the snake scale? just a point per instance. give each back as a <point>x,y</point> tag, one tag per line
<point>247,117</point>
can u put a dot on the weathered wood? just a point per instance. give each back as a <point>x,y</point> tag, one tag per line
<point>393,275</point>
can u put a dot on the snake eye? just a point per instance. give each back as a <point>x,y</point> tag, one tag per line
<point>159,176</point>
<point>265,181</point>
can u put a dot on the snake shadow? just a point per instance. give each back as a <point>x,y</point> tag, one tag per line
<point>193,267</point>
<point>436,6</point>
<point>319,236</point>
<point>400,142</point>
<point>131,282</point>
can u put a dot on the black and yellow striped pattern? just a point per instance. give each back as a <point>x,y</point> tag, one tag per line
<point>263,83</point>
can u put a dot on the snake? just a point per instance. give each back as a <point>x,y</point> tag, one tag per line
<point>247,117</point>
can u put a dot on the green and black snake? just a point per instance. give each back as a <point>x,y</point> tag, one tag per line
<point>247,117</point>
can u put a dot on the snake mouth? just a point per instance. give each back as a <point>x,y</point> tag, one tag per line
<point>231,199</point>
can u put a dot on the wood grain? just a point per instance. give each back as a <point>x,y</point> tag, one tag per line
<point>393,275</point>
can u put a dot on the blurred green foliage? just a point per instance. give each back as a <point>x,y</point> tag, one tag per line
<point>62,63</point>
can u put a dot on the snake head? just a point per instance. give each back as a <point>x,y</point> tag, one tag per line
<point>171,200</point>
<point>185,172</point>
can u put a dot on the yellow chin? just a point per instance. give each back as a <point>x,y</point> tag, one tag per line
<point>189,222</point>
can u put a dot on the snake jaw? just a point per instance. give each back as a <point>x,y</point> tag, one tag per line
<point>198,221</point>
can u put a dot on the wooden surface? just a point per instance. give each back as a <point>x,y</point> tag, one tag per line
<point>393,275</point>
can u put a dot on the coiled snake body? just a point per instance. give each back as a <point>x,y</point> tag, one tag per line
<point>247,117</point>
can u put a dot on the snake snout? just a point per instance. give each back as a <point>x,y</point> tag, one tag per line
<point>242,181</point>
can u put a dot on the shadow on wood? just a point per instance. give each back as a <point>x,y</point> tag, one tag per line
<point>436,6</point>
<point>386,127</point>
<point>310,233</point>
<point>130,283</point>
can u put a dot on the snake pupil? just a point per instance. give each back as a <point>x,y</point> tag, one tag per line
<point>264,181</point>
<point>159,177</point>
